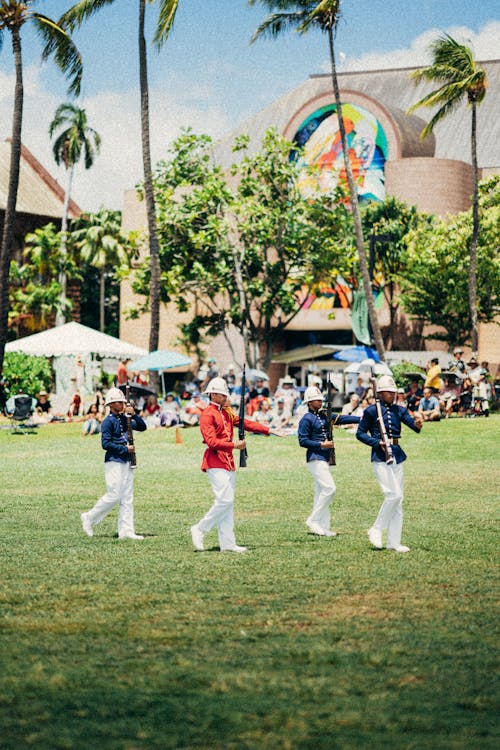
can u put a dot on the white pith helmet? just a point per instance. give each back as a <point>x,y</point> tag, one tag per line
<point>386,383</point>
<point>312,394</point>
<point>113,395</point>
<point>217,385</point>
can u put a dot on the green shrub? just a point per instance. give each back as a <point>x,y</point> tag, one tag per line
<point>399,373</point>
<point>22,372</point>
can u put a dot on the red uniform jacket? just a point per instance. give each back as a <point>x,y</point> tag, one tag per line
<point>216,425</point>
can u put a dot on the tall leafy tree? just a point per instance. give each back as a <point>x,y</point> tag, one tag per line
<point>459,77</point>
<point>324,15</point>
<point>58,45</point>
<point>247,254</point>
<point>76,139</point>
<point>99,240</point>
<point>434,283</point>
<point>80,12</point>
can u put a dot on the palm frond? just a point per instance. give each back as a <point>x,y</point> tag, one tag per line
<point>78,14</point>
<point>437,117</point>
<point>59,45</point>
<point>168,9</point>
<point>277,23</point>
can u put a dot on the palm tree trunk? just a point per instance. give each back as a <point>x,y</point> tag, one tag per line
<point>360,244</point>
<point>60,314</point>
<point>474,236</point>
<point>102,298</point>
<point>7,248</point>
<point>154,251</point>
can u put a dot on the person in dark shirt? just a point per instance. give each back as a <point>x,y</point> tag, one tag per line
<point>389,471</point>
<point>117,468</point>
<point>313,435</point>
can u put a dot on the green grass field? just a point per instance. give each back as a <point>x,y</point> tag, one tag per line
<point>303,642</point>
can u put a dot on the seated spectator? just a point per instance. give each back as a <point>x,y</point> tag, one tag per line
<point>76,407</point>
<point>191,413</point>
<point>259,389</point>
<point>281,415</point>
<point>352,404</point>
<point>450,397</point>
<point>230,378</point>
<point>400,398</point>
<point>93,419</point>
<point>361,388</point>
<point>263,414</point>
<point>43,410</point>
<point>413,396</point>
<point>151,412</point>
<point>287,391</point>
<point>353,408</point>
<point>170,411</point>
<point>429,406</point>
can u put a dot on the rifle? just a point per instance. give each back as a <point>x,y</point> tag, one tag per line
<point>329,433</point>
<point>241,425</point>
<point>386,447</point>
<point>130,431</point>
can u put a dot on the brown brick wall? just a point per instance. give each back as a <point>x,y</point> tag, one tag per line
<point>437,186</point>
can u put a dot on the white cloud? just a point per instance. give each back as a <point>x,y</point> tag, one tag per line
<point>484,44</point>
<point>116,117</point>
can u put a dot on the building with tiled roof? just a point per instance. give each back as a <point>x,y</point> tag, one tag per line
<point>434,174</point>
<point>40,198</point>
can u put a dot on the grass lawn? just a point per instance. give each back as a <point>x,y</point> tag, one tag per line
<point>303,642</point>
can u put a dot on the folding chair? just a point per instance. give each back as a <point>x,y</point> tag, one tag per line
<point>20,416</point>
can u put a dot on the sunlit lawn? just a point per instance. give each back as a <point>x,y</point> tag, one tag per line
<point>303,642</point>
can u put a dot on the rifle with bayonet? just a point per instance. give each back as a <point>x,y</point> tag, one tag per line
<point>130,431</point>
<point>329,430</point>
<point>241,415</point>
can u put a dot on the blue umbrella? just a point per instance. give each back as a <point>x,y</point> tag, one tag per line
<point>357,354</point>
<point>160,360</point>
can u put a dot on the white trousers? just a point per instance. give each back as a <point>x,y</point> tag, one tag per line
<point>390,516</point>
<point>324,490</point>
<point>221,512</point>
<point>119,491</point>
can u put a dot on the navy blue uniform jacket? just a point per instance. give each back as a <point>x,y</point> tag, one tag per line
<point>369,433</point>
<point>313,430</point>
<point>114,436</point>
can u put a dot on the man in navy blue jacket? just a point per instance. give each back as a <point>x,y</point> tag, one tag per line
<point>117,468</point>
<point>389,475</point>
<point>313,435</point>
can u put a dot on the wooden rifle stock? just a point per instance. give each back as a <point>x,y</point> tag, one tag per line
<point>241,415</point>
<point>386,446</point>
<point>130,431</point>
<point>332,460</point>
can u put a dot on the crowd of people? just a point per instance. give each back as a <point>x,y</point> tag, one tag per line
<point>464,389</point>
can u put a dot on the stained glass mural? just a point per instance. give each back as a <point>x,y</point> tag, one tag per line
<point>319,137</point>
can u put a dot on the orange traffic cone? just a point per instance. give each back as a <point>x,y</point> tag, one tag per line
<point>178,436</point>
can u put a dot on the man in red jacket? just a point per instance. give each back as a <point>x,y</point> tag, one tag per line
<point>216,424</point>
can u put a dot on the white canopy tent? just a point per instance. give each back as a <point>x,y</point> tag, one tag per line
<point>77,352</point>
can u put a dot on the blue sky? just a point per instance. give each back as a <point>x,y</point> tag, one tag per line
<point>208,76</point>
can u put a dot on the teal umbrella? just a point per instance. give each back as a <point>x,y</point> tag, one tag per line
<point>160,360</point>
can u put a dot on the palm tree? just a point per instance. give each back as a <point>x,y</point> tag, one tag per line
<point>99,239</point>
<point>13,15</point>
<point>302,15</point>
<point>75,140</point>
<point>167,10</point>
<point>459,77</point>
